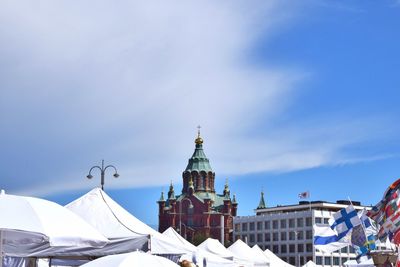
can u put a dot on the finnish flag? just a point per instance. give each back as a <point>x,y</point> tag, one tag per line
<point>344,220</point>
<point>326,240</point>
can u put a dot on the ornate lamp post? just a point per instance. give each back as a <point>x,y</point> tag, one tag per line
<point>180,213</point>
<point>102,172</point>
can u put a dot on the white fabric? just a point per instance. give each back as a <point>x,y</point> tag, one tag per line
<point>260,253</point>
<point>246,255</point>
<point>344,216</point>
<point>136,258</point>
<point>353,263</point>
<point>173,235</point>
<point>326,231</point>
<point>32,222</point>
<point>215,247</point>
<point>113,221</point>
<point>212,260</point>
<point>275,261</point>
<point>310,264</point>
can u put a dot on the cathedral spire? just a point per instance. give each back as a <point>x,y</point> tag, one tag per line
<point>226,188</point>
<point>199,161</point>
<point>162,197</point>
<point>171,192</point>
<point>198,140</point>
<point>262,205</point>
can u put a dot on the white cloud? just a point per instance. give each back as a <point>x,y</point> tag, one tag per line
<point>129,81</point>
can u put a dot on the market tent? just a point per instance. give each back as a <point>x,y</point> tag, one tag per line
<point>260,253</point>
<point>31,225</point>
<point>215,247</point>
<point>243,252</point>
<point>310,264</point>
<point>173,235</point>
<point>137,258</point>
<point>353,263</point>
<point>116,223</point>
<point>202,256</point>
<point>275,261</point>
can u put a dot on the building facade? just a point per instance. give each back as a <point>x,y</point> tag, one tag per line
<point>198,212</point>
<point>288,231</point>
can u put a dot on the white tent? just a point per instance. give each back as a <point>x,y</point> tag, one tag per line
<point>275,261</point>
<point>114,222</point>
<point>30,225</point>
<point>211,260</point>
<point>260,253</point>
<point>215,247</point>
<point>310,264</point>
<point>353,263</point>
<point>137,258</point>
<point>173,235</point>
<point>246,255</point>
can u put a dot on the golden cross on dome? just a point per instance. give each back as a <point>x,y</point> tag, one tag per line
<point>198,131</point>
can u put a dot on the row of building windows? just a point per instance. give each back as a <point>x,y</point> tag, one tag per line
<point>276,236</point>
<point>339,261</point>
<point>291,248</point>
<point>321,220</point>
<point>276,224</point>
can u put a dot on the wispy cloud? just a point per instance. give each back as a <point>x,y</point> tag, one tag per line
<point>129,82</point>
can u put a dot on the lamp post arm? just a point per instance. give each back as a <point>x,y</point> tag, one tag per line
<point>94,167</point>
<point>110,166</point>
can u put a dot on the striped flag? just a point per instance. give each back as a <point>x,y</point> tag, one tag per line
<point>305,194</point>
<point>387,212</point>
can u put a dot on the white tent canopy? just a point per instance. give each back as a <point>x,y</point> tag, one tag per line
<point>215,247</point>
<point>212,260</point>
<point>354,263</point>
<point>244,254</point>
<point>310,264</point>
<point>177,238</point>
<point>29,226</point>
<point>33,227</point>
<point>260,253</point>
<point>275,261</point>
<point>137,258</point>
<point>113,221</point>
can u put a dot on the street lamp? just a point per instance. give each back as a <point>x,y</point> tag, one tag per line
<point>102,172</point>
<point>180,213</point>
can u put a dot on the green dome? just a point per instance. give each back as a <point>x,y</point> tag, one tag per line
<point>199,161</point>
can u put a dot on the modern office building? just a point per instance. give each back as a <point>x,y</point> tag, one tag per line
<point>287,231</point>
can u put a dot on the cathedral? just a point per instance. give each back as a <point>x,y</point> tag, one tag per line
<point>198,212</point>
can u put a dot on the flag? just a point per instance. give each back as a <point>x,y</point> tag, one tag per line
<point>387,212</point>
<point>305,194</point>
<point>363,237</point>
<point>344,220</point>
<point>326,240</point>
<point>358,236</point>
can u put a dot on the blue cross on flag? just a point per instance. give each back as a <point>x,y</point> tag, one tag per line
<point>344,220</point>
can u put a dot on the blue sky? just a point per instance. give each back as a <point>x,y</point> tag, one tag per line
<point>291,96</point>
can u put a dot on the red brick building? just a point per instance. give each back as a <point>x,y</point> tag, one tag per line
<point>199,210</point>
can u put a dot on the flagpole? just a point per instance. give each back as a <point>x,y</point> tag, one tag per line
<point>312,223</point>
